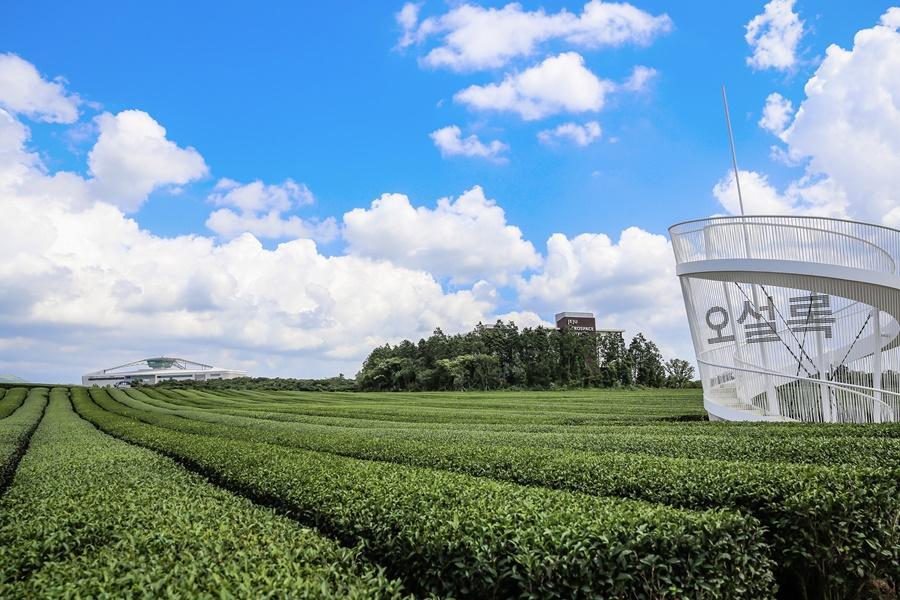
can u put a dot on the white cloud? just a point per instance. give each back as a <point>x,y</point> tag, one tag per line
<point>780,155</point>
<point>229,224</point>
<point>846,132</point>
<point>13,155</point>
<point>640,79</point>
<point>580,135</point>
<point>466,238</point>
<point>891,18</point>
<point>776,114</point>
<point>524,318</point>
<point>129,288</point>
<point>133,157</point>
<point>774,35</point>
<point>558,84</point>
<point>23,173</point>
<point>450,142</point>
<point>806,196</point>
<point>23,90</point>
<point>615,24</point>
<point>259,197</point>
<point>628,284</point>
<point>86,286</point>
<point>474,37</point>
<point>260,209</point>
<point>407,18</point>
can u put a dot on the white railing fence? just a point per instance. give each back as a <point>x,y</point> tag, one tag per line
<point>757,354</point>
<point>799,398</point>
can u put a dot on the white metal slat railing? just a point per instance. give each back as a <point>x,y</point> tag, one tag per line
<point>748,386</point>
<point>848,399</point>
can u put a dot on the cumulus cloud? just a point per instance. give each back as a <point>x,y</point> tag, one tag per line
<point>133,157</point>
<point>640,79</point>
<point>773,36</point>
<point>891,18</point>
<point>848,126</point>
<point>580,135</point>
<point>776,114</point>
<point>474,37</point>
<point>259,209</point>
<point>13,155</point>
<point>466,238</point>
<point>525,318</point>
<point>450,142</point>
<point>616,23</point>
<point>229,224</point>
<point>22,172</point>
<point>407,18</point>
<point>85,285</point>
<point>846,132</point>
<point>558,84</point>
<point>629,284</point>
<point>24,91</point>
<point>259,197</point>
<point>807,196</point>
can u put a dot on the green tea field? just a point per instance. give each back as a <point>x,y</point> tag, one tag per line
<point>163,492</point>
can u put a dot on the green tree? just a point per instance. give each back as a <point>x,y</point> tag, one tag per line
<point>646,362</point>
<point>679,373</point>
<point>502,356</point>
<point>614,364</point>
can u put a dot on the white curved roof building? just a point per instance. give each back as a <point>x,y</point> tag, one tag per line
<point>149,371</point>
<point>793,318</point>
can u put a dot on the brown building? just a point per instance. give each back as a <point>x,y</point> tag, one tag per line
<point>582,322</point>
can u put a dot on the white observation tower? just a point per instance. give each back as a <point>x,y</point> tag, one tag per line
<point>793,318</point>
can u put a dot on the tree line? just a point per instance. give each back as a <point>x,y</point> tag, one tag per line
<point>504,357</point>
<point>328,384</point>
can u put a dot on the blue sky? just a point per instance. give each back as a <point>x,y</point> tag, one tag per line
<point>323,95</point>
<point>316,93</point>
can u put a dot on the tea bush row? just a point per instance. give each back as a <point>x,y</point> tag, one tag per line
<point>387,408</point>
<point>347,414</point>
<point>16,430</point>
<point>91,516</point>
<point>808,510</point>
<point>868,452</point>
<point>11,400</point>
<point>453,534</point>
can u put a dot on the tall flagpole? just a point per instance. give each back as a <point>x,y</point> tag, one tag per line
<point>771,394</point>
<point>737,178</point>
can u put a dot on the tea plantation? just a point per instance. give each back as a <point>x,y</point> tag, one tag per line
<point>156,492</point>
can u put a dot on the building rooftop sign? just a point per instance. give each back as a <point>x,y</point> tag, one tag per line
<point>579,322</point>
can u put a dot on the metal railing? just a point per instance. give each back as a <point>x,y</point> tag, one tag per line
<point>800,398</point>
<point>807,239</point>
<point>834,383</point>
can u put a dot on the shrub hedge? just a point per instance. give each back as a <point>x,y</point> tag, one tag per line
<point>453,534</point>
<point>808,510</point>
<point>351,410</point>
<point>91,516</point>
<point>876,452</point>
<point>16,430</point>
<point>11,401</point>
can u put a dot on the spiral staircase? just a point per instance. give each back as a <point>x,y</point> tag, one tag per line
<point>836,362</point>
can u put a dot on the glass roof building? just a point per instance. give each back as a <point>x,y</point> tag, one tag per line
<point>149,371</point>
